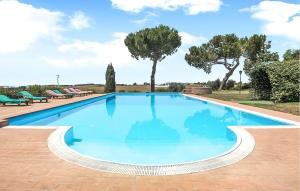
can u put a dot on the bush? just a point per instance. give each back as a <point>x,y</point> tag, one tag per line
<point>161,89</point>
<point>246,86</point>
<point>214,84</point>
<point>284,77</point>
<point>11,92</point>
<point>260,82</point>
<point>38,90</point>
<point>230,84</point>
<point>176,87</point>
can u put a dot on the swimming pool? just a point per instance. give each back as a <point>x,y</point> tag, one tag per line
<point>147,128</point>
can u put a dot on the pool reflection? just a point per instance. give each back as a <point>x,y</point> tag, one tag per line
<point>215,127</point>
<point>110,105</point>
<point>149,131</point>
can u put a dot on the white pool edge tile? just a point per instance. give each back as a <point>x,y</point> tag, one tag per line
<point>57,145</point>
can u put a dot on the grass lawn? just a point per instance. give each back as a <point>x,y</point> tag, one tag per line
<point>245,98</point>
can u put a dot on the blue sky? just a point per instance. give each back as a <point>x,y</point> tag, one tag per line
<point>40,39</point>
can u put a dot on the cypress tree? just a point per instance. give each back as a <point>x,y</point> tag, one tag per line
<point>110,85</point>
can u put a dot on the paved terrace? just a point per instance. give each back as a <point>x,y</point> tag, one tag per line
<point>27,164</point>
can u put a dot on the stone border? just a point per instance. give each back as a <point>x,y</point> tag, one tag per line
<point>244,146</point>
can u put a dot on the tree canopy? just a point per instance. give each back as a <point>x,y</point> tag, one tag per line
<point>256,50</point>
<point>153,43</point>
<point>291,55</point>
<point>223,50</point>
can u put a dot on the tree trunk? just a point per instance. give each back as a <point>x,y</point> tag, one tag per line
<point>228,74</point>
<point>153,76</point>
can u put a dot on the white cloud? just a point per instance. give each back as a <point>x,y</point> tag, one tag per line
<point>189,39</point>
<point>192,7</point>
<point>147,18</point>
<point>280,18</point>
<point>22,24</point>
<point>61,63</point>
<point>80,21</point>
<point>80,53</point>
<point>92,53</point>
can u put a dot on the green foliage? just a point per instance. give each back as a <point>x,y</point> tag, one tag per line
<point>110,85</point>
<point>153,43</point>
<point>291,55</point>
<point>38,90</point>
<point>162,89</point>
<point>230,84</point>
<point>256,50</point>
<point>214,84</point>
<point>224,50</point>
<point>284,77</point>
<point>260,82</point>
<point>11,92</point>
<point>246,86</point>
<point>176,87</point>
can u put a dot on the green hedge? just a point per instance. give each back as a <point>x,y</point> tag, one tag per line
<point>278,81</point>
<point>284,77</point>
<point>260,82</point>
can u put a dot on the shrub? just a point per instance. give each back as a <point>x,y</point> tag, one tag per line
<point>230,84</point>
<point>11,92</point>
<point>176,87</point>
<point>159,89</point>
<point>110,85</point>
<point>260,82</point>
<point>214,84</point>
<point>284,77</point>
<point>246,86</point>
<point>38,90</point>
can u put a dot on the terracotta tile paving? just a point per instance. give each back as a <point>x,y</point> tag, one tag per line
<point>27,164</point>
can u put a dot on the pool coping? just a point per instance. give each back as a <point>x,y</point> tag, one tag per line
<point>244,146</point>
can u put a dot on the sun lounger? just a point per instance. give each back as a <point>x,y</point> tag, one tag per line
<point>55,95</point>
<point>60,93</point>
<point>75,93</point>
<point>27,95</point>
<point>89,92</point>
<point>6,100</point>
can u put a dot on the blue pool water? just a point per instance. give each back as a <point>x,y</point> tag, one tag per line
<point>150,129</point>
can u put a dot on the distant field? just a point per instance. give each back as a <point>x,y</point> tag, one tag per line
<point>126,88</point>
<point>245,98</point>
